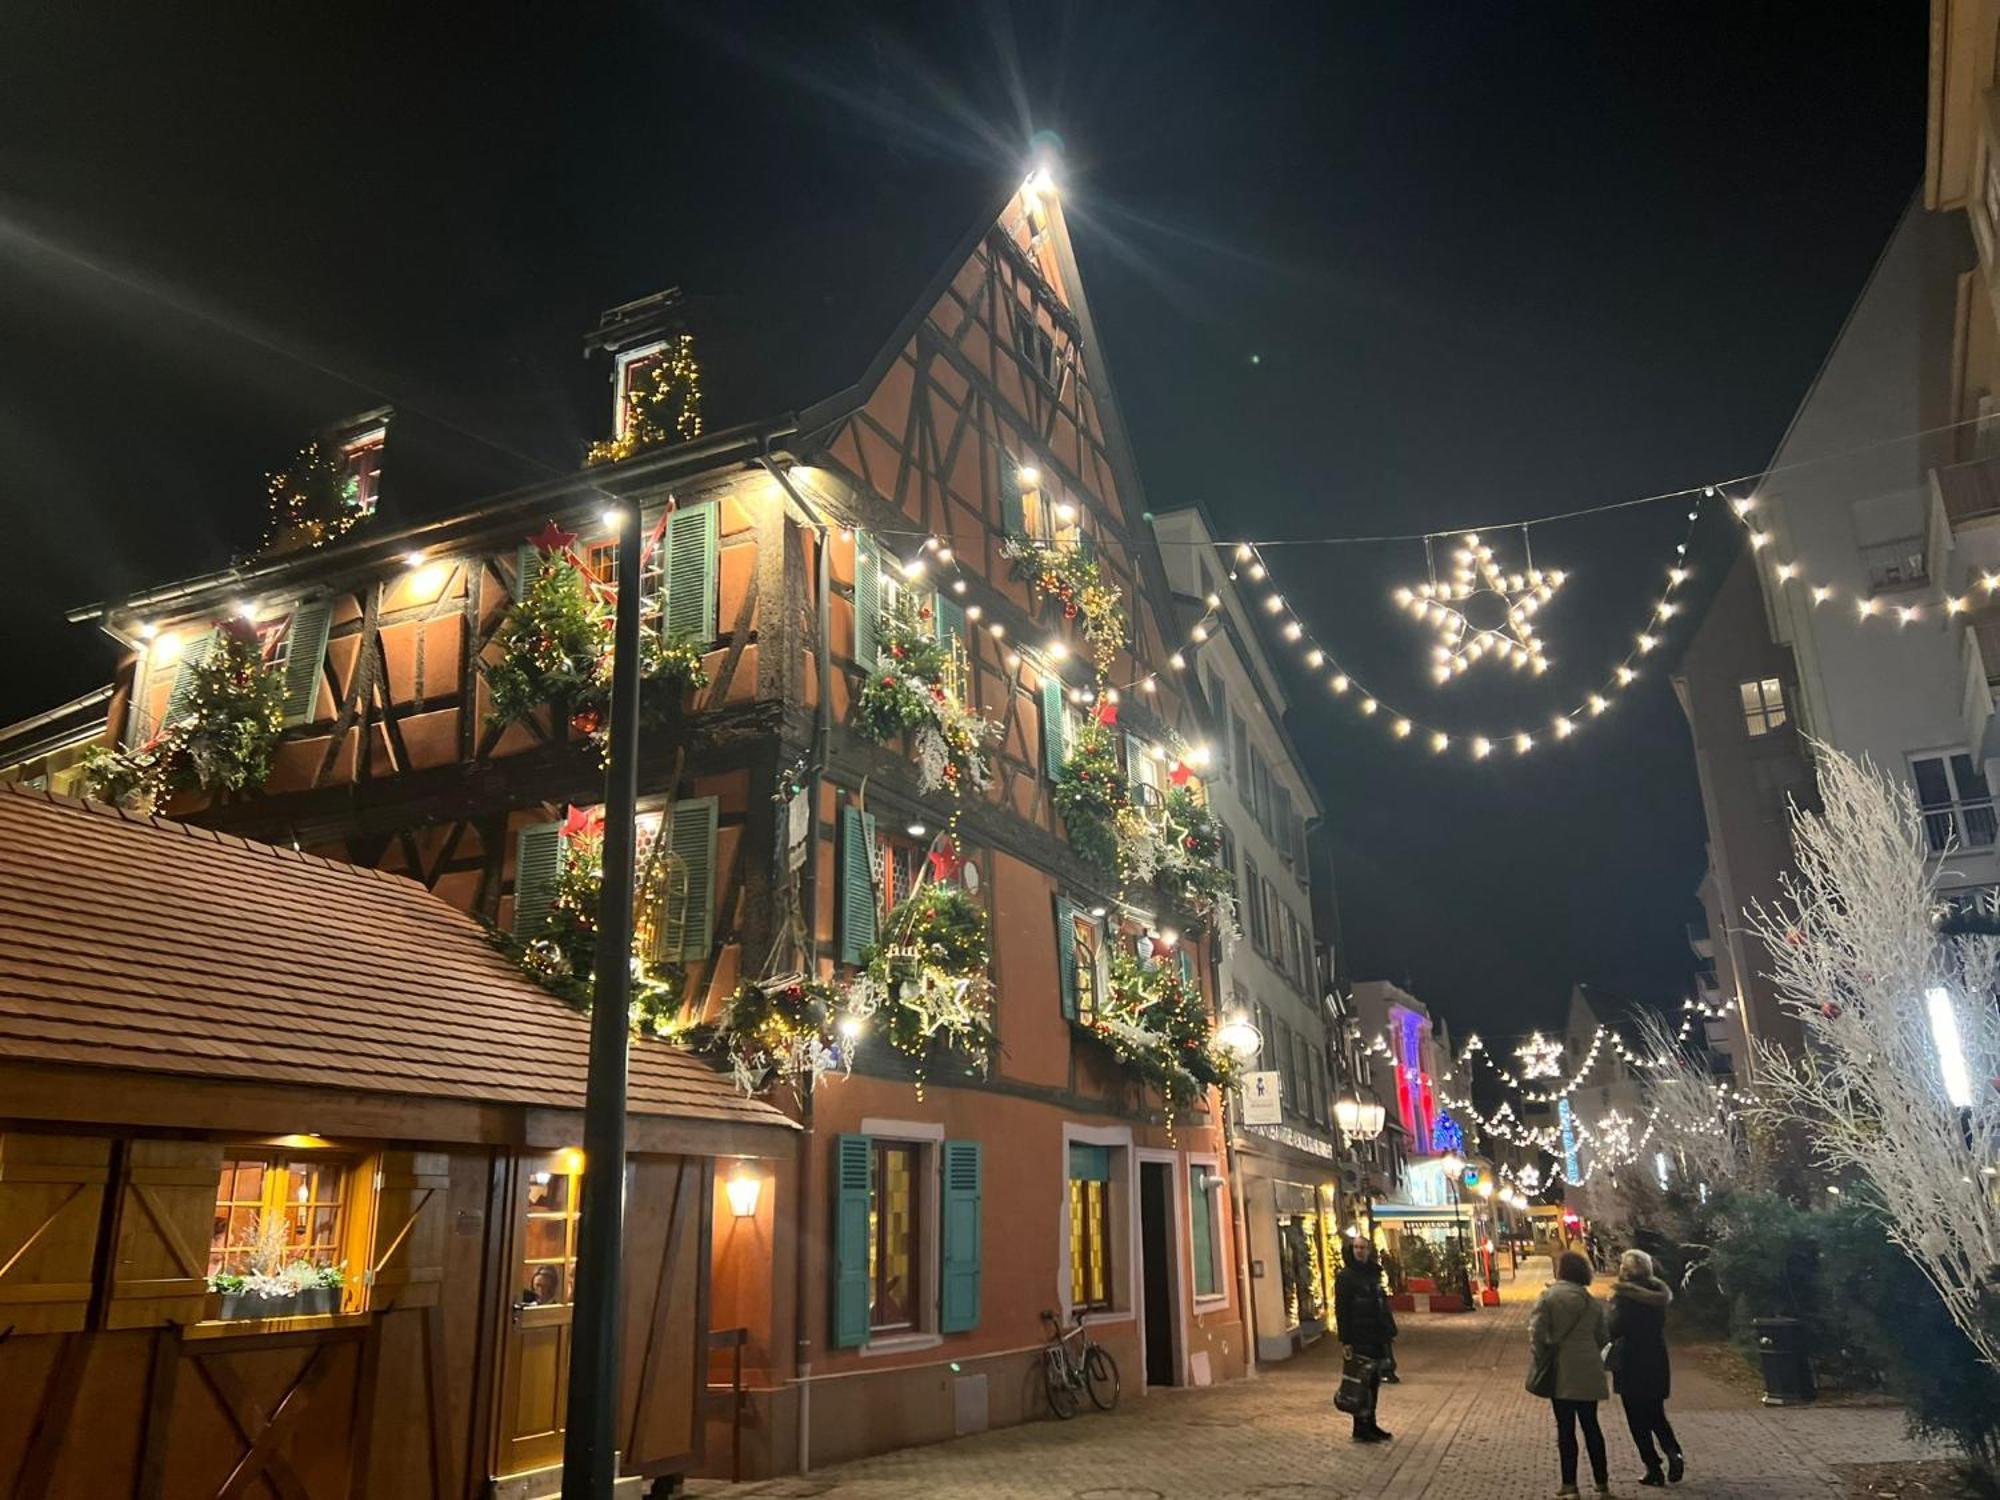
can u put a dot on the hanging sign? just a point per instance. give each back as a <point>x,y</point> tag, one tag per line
<point>1263,1100</point>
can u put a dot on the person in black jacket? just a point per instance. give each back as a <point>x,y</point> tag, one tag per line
<point>1639,1363</point>
<point>1366,1326</point>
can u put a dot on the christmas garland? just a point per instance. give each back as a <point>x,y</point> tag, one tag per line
<point>1158,1030</point>
<point>908,692</point>
<point>1071,576</point>
<point>313,501</point>
<point>1091,794</point>
<point>1177,851</point>
<point>224,742</point>
<point>663,405</point>
<point>926,984</point>
<point>776,1031</point>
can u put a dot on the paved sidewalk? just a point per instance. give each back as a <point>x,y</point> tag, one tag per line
<point>1465,1430</point>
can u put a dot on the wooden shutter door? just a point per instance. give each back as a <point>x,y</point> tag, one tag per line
<point>691,840</point>
<point>958,1293</point>
<point>305,662</point>
<point>950,620</point>
<point>859,905</point>
<point>166,1213</point>
<point>1013,509</point>
<point>692,542</point>
<point>538,856</point>
<point>192,655</point>
<point>867,600</point>
<point>527,564</point>
<point>1055,726</point>
<point>51,1199</point>
<point>1066,953</point>
<point>853,1184</point>
<point>406,1250</point>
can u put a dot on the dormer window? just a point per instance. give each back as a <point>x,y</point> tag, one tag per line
<point>362,454</point>
<point>635,367</point>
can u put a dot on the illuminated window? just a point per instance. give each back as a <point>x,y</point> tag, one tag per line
<point>893,1211</point>
<point>300,1201</point>
<point>1089,1240</point>
<point>1763,705</point>
<point>548,1254</point>
<point>363,455</point>
<point>1088,964</point>
<point>633,368</point>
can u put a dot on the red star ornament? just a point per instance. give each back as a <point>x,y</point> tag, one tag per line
<point>1107,713</point>
<point>552,539</point>
<point>1181,774</point>
<point>944,859</point>
<point>582,822</point>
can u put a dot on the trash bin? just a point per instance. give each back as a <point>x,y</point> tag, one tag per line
<point>1781,1349</point>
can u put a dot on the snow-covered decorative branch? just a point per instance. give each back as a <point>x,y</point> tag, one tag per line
<point>1896,1080</point>
<point>1694,1111</point>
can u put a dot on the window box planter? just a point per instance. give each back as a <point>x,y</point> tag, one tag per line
<point>314,1302</point>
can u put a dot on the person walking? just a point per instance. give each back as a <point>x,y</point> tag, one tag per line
<point>1567,1333</point>
<point>1366,1326</point>
<point>1639,1365</point>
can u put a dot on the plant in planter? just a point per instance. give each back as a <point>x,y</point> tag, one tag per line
<point>1158,1028</point>
<point>1071,577</point>
<point>224,740</point>
<point>278,1283</point>
<point>910,692</point>
<point>925,984</point>
<point>662,405</point>
<point>1090,794</point>
<point>1189,873</point>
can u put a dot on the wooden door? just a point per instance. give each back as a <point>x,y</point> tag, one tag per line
<point>534,1380</point>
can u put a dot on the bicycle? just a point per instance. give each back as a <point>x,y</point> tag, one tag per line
<point>1075,1361</point>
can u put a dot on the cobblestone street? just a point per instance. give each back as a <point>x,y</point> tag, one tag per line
<point>1465,1430</point>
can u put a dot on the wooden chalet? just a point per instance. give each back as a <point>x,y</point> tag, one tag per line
<point>199,1033</point>
<point>886,426</point>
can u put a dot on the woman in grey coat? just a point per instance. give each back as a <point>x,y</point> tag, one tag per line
<point>1572,1324</point>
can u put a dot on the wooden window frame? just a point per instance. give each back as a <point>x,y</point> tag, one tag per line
<point>275,1195</point>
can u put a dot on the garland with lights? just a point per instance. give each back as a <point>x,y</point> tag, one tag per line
<point>925,984</point>
<point>1159,1031</point>
<point>1091,794</point>
<point>225,740</point>
<point>1176,851</point>
<point>312,501</point>
<point>772,1032</point>
<point>1071,576</point>
<point>662,405</point>
<point>909,692</point>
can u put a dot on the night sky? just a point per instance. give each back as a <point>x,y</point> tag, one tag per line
<point>1356,273</point>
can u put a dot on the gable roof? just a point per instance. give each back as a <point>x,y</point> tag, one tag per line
<point>138,943</point>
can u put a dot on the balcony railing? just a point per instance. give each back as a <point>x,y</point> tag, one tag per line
<point>1969,491</point>
<point>1699,939</point>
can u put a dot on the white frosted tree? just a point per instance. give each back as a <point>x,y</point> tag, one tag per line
<point>1693,1112</point>
<point>1896,1079</point>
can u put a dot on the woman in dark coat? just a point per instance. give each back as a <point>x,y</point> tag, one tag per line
<point>1641,1370</point>
<point>1366,1325</point>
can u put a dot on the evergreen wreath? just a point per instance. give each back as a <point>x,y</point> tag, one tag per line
<point>311,501</point>
<point>1158,1029</point>
<point>774,1031</point>
<point>1090,793</point>
<point>1176,849</point>
<point>1072,577</point>
<point>223,742</point>
<point>909,692</point>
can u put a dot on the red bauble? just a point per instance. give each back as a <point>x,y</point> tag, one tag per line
<point>1830,1010</point>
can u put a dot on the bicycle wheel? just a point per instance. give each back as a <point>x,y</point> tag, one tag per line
<point>1062,1393</point>
<point>1100,1377</point>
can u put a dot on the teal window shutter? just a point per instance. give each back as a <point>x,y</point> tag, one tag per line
<point>958,1294</point>
<point>1055,726</point>
<point>867,599</point>
<point>949,617</point>
<point>853,1188</point>
<point>692,544</point>
<point>192,656</point>
<point>1066,953</point>
<point>859,907</point>
<point>527,563</point>
<point>691,840</point>
<point>1201,1219</point>
<point>1187,968</point>
<point>1013,508</point>
<point>306,659</point>
<point>538,854</point>
<point>1089,1163</point>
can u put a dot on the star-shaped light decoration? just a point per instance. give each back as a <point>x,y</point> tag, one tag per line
<point>552,539</point>
<point>1540,1057</point>
<point>1480,611</point>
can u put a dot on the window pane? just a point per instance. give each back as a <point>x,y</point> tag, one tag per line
<point>1970,777</point>
<point>1933,790</point>
<point>894,1212</point>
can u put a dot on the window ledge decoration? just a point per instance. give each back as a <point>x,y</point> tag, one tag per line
<point>224,742</point>
<point>555,650</point>
<point>277,1285</point>
<point>912,689</point>
<point>662,405</point>
<point>1091,795</point>
<point>1176,850</point>
<point>925,985</point>
<point>776,1031</point>
<point>1070,575</point>
<point>562,958</point>
<point>1158,1029</point>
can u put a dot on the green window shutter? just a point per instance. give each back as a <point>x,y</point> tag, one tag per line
<point>538,853</point>
<point>691,840</point>
<point>867,599</point>
<point>183,688</point>
<point>306,659</point>
<point>853,1187</point>
<point>958,1293</point>
<point>1066,953</point>
<point>692,544</point>
<point>1187,967</point>
<point>859,908</point>
<point>527,563</point>
<point>1089,1163</point>
<point>1201,1219</point>
<point>949,616</point>
<point>1055,726</point>
<point>1013,508</point>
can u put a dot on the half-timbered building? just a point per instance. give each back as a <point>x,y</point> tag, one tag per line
<point>938,1212</point>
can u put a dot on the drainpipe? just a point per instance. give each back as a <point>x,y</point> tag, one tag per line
<point>822,743</point>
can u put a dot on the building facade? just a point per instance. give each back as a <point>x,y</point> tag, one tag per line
<point>967,453</point>
<point>1265,803</point>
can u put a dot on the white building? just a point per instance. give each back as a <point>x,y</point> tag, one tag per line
<point>1264,802</point>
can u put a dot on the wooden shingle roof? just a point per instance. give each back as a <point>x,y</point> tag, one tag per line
<point>138,943</point>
